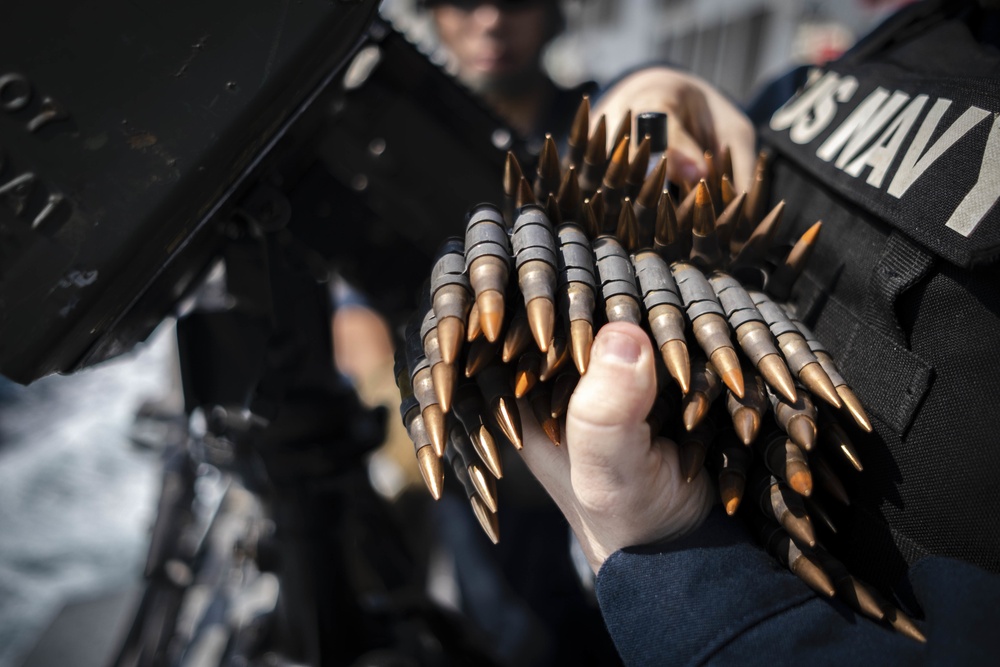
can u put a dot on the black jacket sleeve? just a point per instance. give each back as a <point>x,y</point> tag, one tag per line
<point>715,597</point>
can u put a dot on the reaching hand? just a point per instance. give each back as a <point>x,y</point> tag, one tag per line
<point>616,487</point>
<point>700,118</point>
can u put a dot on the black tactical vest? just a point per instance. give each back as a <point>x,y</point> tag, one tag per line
<point>896,148</point>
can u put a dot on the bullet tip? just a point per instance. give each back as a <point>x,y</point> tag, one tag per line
<point>431,470</point>
<point>542,320</point>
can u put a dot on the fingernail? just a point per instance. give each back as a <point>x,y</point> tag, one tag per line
<point>615,346</point>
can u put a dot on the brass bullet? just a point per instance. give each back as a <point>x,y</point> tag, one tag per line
<point>685,210</point>
<point>677,360</point>
<point>507,416</point>
<point>540,399</point>
<point>826,362</point>
<point>623,130</point>
<point>562,390</point>
<point>554,359</point>
<point>595,158</point>
<point>577,140</point>
<point>752,332</point>
<point>637,168</point>
<point>495,385</point>
<point>526,373</point>
<point>705,250</point>
<point>488,257</point>
<point>552,209</point>
<point>725,163</point>
<point>569,197</point>
<point>473,330</point>
<point>902,623</point>
<point>788,463</point>
<point>827,478</point>
<point>785,275</point>
<point>854,407</point>
<point>757,195</point>
<point>445,377</point>
<point>451,333</point>
<point>708,323</point>
<point>778,503</point>
<point>576,290</point>
<point>834,436</point>
<point>754,250</point>
<point>512,176</point>
<point>817,511</point>
<point>598,207</point>
<point>487,519</point>
<point>733,462</point>
<point>705,388</point>
<point>613,186</point>
<point>815,378</point>
<point>664,307</point>
<point>797,419</point>
<point>855,593</point>
<point>727,193</point>
<point>747,412</point>
<point>451,298</point>
<point>728,220</point>
<point>518,336</point>
<point>548,174</point>
<point>485,485</point>
<point>628,228</point>
<point>431,471</point>
<point>581,333</point>
<point>795,348</point>
<point>614,177</point>
<point>590,223</point>
<point>436,424</point>
<point>486,447</point>
<point>480,353</point>
<point>428,461</point>
<point>535,253</point>
<point>693,448</point>
<point>731,489</point>
<point>712,180</point>
<point>777,375</point>
<point>541,321</point>
<point>525,195</point>
<point>810,572</point>
<point>469,408</point>
<point>781,546</point>
<point>647,204</point>
<point>666,235</point>
<point>788,509</point>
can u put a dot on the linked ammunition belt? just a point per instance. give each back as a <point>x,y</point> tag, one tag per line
<point>745,388</point>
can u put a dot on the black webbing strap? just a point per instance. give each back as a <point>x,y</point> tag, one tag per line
<point>889,378</point>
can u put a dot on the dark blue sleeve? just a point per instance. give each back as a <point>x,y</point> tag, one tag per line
<point>716,597</point>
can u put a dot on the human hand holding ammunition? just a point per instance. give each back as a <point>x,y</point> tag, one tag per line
<point>617,485</point>
<point>699,119</point>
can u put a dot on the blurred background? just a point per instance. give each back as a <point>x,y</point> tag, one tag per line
<point>79,472</point>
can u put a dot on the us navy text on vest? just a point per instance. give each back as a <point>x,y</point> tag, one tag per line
<point>893,113</point>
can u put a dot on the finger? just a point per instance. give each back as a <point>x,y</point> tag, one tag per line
<point>607,435</point>
<point>548,463</point>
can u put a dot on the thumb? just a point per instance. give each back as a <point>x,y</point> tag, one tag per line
<point>606,428</point>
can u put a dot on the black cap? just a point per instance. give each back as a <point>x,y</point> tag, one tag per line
<point>654,124</point>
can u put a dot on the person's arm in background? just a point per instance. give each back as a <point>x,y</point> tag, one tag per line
<point>679,582</point>
<point>699,118</point>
